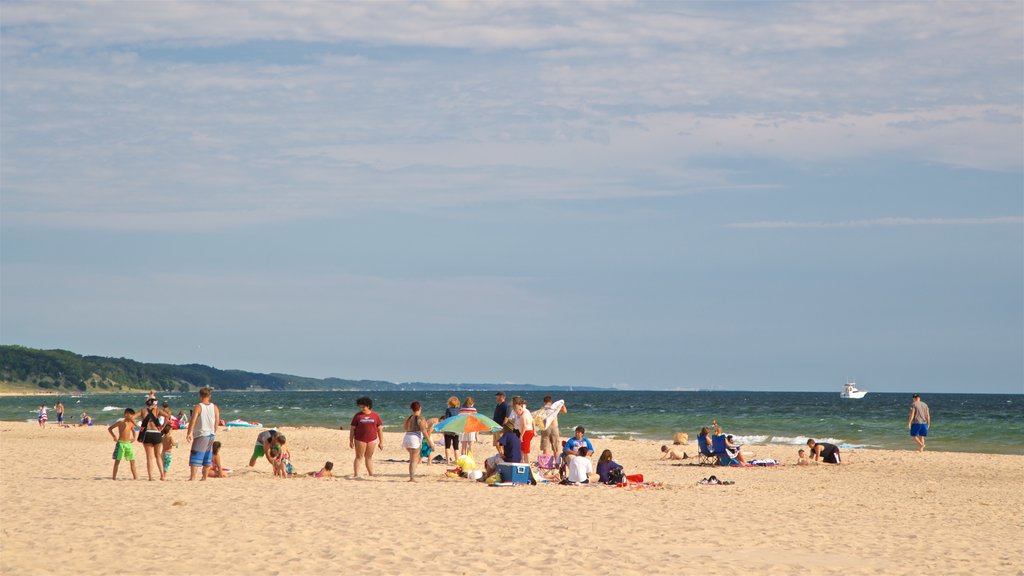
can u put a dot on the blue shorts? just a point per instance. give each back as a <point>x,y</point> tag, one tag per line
<point>202,452</point>
<point>918,429</point>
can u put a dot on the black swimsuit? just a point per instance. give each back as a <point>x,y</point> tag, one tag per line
<point>150,436</point>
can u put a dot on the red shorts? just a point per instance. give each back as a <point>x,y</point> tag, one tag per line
<point>527,438</point>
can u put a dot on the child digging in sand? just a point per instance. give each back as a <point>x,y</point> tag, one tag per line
<point>325,472</point>
<point>124,438</point>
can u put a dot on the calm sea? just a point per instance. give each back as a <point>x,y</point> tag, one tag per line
<point>991,423</point>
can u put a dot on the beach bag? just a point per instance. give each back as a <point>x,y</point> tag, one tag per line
<point>616,476</point>
<point>546,461</point>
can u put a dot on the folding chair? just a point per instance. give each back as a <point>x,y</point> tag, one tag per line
<point>705,455</point>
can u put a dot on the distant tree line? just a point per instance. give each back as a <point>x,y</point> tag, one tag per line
<point>60,370</point>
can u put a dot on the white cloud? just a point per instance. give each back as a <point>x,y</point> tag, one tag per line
<point>149,113</point>
<point>884,222</point>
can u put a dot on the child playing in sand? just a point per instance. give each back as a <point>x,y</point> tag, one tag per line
<point>124,438</point>
<point>167,444</point>
<point>672,454</point>
<point>802,458</point>
<point>325,472</point>
<point>275,460</point>
<point>217,470</point>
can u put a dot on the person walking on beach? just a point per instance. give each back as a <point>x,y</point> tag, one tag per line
<point>365,435</point>
<point>59,409</point>
<point>205,416</point>
<point>919,421</point>
<point>42,416</point>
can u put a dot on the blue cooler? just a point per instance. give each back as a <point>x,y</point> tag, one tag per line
<point>515,473</point>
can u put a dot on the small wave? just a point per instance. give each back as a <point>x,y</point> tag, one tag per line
<point>755,439</point>
<point>800,440</point>
<point>295,408</point>
<point>111,408</point>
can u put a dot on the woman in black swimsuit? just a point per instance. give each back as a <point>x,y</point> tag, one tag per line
<point>151,436</point>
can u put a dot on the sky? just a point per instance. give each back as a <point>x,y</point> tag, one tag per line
<point>745,196</point>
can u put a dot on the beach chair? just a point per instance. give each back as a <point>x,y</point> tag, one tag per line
<point>705,455</point>
<point>718,447</point>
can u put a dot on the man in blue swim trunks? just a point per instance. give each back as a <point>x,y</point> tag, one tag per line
<point>919,421</point>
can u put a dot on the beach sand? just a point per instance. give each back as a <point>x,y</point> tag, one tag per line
<point>885,512</point>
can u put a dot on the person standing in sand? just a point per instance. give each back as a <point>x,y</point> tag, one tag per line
<point>416,428</point>
<point>59,409</point>
<point>524,423</point>
<point>502,411</point>
<point>124,438</point>
<point>365,435</point>
<point>919,421</point>
<point>205,416</point>
<point>468,438</point>
<point>550,438</point>
<point>451,439</point>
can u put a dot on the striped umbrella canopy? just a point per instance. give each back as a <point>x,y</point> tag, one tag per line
<point>471,422</point>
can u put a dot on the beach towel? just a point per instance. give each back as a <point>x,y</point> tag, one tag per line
<point>765,462</point>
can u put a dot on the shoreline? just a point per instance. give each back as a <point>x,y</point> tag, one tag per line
<point>657,442</point>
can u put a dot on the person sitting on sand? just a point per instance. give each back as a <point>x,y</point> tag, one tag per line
<point>580,468</point>
<point>217,470</point>
<point>573,445</point>
<point>608,471</point>
<point>86,419</point>
<point>802,458</point>
<point>829,453</point>
<point>672,454</point>
<point>325,472</point>
<point>734,450</point>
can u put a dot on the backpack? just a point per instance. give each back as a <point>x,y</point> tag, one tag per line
<point>616,476</point>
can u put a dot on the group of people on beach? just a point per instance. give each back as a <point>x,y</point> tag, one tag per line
<point>512,444</point>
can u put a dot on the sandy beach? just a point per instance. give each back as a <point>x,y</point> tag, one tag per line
<point>885,512</point>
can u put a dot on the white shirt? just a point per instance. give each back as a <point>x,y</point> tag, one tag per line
<point>579,468</point>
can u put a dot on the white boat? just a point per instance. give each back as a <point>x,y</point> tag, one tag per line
<point>850,391</point>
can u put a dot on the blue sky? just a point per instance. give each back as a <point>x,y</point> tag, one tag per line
<point>641,195</point>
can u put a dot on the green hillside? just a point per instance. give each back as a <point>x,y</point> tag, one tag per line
<point>29,369</point>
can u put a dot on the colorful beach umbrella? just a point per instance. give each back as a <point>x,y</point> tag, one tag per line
<point>470,422</point>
